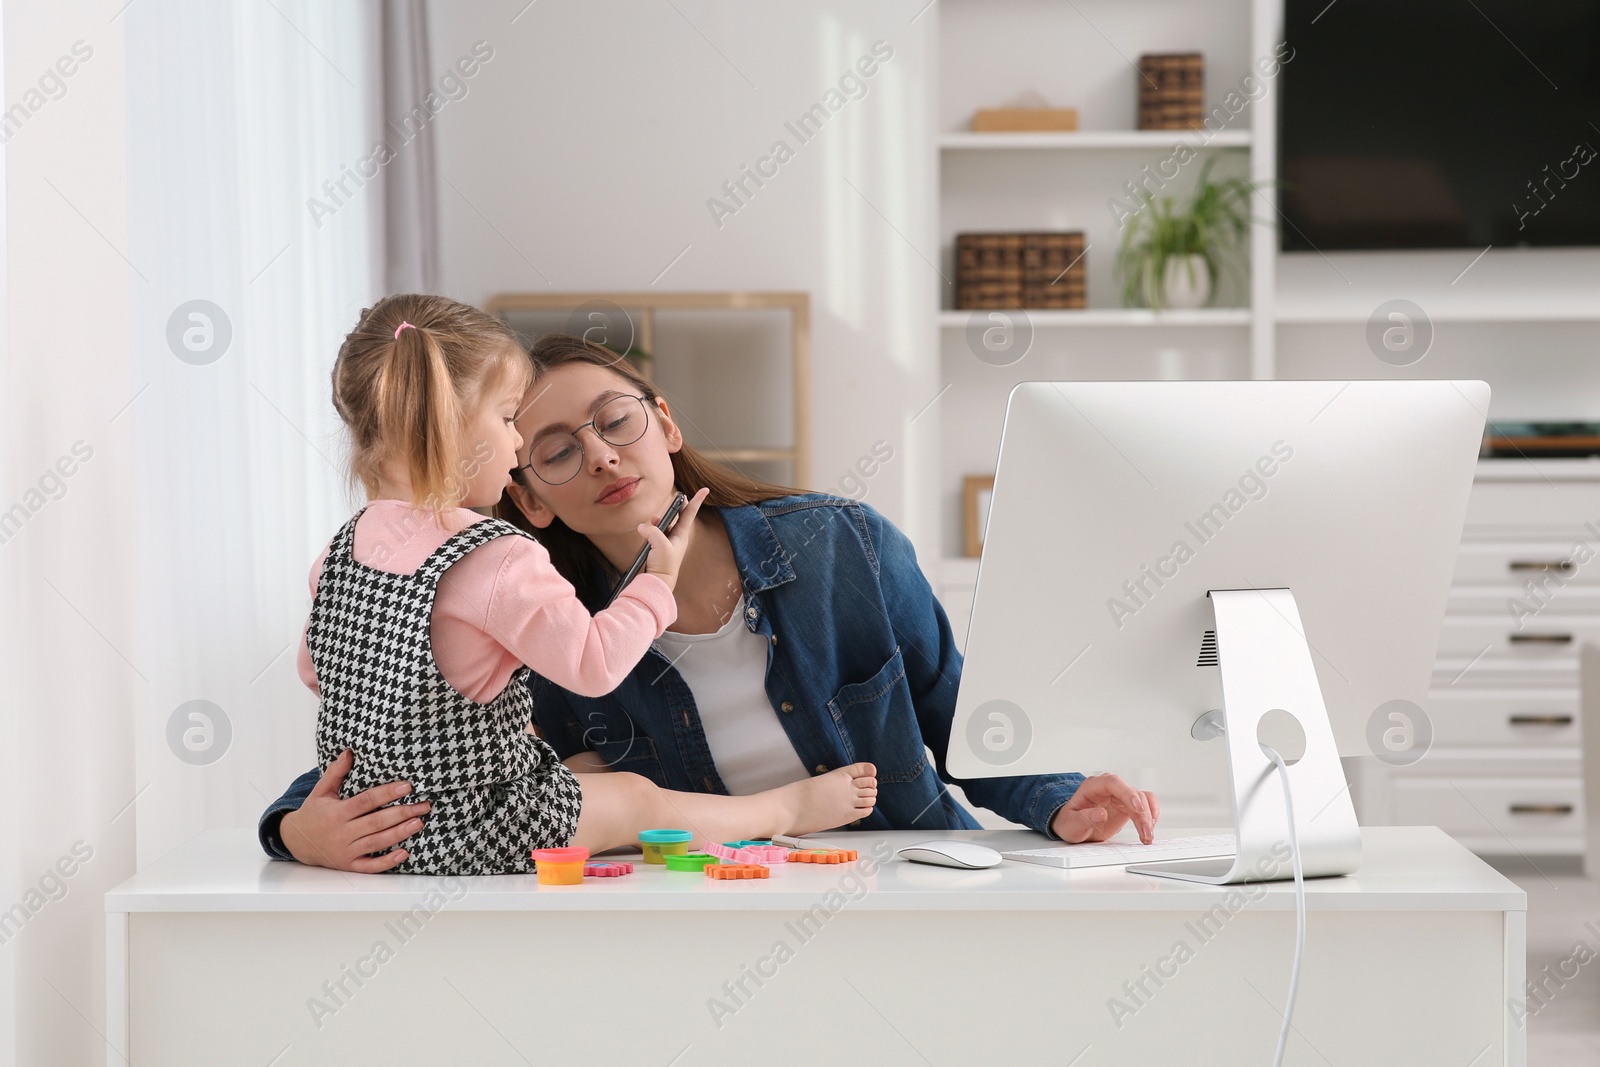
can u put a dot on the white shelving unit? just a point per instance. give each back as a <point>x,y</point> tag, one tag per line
<point>1114,317</point>
<point>1082,55</point>
<point>1157,140</point>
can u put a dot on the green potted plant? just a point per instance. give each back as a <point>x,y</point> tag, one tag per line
<point>1172,256</point>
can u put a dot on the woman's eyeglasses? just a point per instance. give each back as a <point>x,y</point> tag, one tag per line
<point>557,458</point>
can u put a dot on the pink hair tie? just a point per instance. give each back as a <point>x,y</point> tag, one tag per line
<point>402,326</point>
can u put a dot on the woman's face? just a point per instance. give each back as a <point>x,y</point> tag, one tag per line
<point>617,486</point>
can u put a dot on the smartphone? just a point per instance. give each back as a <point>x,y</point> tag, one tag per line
<point>664,525</point>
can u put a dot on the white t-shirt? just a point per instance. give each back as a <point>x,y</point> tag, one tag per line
<point>727,673</point>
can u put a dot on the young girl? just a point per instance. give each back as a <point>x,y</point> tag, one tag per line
<point>426,618</point>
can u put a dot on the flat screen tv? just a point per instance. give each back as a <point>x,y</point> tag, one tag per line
<point>1439,124</point>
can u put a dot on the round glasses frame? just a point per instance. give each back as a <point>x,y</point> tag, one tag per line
<point>593,424</point>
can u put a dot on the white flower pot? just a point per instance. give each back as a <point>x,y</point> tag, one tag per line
<point>1187,281</point>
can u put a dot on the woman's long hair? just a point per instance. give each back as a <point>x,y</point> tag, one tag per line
<point>574,555</point>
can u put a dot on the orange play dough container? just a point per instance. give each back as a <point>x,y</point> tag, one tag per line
<point>560,866</point>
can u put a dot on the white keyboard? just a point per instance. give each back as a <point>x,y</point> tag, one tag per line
<point>1113,853</point>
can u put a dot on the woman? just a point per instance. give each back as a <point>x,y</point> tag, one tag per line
<point>807,638</point>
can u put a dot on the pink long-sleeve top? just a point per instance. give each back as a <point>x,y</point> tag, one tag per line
<point>504,604</point>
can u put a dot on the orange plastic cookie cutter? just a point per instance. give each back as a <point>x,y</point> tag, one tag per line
<point>825,855</point>
<point>738,870</point>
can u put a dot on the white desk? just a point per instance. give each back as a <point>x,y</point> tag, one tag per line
<point>217,955</point>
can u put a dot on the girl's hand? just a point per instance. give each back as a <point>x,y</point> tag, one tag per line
<point>667,549</point>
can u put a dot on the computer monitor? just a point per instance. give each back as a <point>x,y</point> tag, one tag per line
<point>1119,508</point>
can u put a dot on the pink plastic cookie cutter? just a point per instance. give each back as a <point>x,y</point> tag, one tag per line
<point>606,869</point>
<point>760,854</point>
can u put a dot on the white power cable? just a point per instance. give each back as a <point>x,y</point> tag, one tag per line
<point>1299,905</point>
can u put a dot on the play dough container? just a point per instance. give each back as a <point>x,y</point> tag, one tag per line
<point>657,845</point>
<point>693,861</point>
<point>560,866</point>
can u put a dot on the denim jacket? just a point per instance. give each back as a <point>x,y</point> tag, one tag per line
<point>861,665</point>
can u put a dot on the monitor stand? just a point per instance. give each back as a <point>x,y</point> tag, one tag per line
<point>1266,664</point>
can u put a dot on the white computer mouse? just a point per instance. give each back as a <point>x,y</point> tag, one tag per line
<point>964,854</point>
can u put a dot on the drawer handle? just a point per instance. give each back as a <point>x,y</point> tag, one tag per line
<point>1541,639</point>
<point>1541,809</point>
<point>1541,720</point>
<point>1561,566</point>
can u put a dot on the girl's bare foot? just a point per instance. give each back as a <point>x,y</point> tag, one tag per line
<point>831,800</point>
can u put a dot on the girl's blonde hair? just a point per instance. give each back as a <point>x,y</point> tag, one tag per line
<point>408,379</point>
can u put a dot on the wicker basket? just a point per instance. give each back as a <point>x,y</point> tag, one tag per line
<point>1172,91</point>
<point>1020,270</point>
<point>1053,274</point>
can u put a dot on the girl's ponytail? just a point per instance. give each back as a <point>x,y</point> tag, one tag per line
<point>420,413</point>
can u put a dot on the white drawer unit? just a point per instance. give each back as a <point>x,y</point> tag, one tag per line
<point>1512,563</point>
<point>1504,672</point>
<point>1576,597</point>
<point>1492,720</point>
<point>1496,815</point>
<point>1504,772</point>
<point>1542,636</point>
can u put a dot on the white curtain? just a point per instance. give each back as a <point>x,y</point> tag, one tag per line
<point>190,234</point>
<point>250,125</point>
<point>10,837</point>
<point>410,182</point>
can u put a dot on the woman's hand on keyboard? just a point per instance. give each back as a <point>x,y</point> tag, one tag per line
<point>1103,805</point>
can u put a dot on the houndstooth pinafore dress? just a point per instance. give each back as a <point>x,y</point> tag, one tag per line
<point>497,792</point>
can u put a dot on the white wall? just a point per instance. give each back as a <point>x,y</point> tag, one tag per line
<point>1522,319</point>
<point>70,687</point>
<point>584,154</point>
